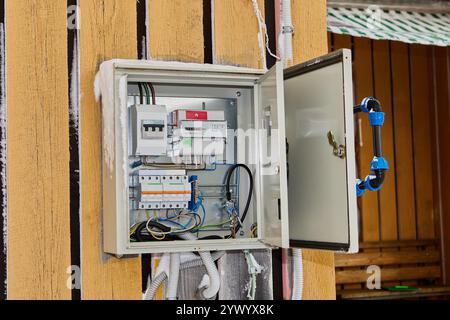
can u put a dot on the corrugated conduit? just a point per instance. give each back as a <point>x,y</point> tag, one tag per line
<point>297,287</point>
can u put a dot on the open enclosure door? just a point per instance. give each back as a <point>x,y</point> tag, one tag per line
<point>321,156</point>
<point>272,180</point>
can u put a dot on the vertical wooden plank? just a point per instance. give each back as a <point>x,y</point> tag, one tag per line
<point>310,38</point>
<point>176,34</point>
<point>330,41</point>
<point>404,155</point>
<point>236,43</point>
<point>38,150</point>
<point>341,42</point>
<point>236,33</point>
<point>3,158</point>
<point>363,83</point>
<point>108,30</point>
<point>387,194</point>
<point>404,168</point>
<point>421,97</point>
<point>176,30</point>
<point>310,41</point>
<point>442,123</point>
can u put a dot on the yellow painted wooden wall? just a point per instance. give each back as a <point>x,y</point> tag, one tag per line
<point>38,140</point>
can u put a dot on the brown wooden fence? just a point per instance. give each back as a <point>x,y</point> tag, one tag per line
<point>408,207</point>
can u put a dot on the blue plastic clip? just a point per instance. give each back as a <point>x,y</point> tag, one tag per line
<point>376,118</point>
<point>379,163</point>
<point>364,104</point>
<point>359,191</point>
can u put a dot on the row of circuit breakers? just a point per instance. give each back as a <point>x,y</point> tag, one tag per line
<point>187,135</point>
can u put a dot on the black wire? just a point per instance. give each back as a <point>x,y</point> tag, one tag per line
<point>139,237</point>
<point>250,191</point>
<point>141,94</point>
<point>143,226</point>
<point>147,92</point>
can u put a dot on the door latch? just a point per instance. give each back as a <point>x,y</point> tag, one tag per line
<point>338,149</point>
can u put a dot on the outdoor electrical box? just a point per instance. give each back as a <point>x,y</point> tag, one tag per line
<point>208,157</point>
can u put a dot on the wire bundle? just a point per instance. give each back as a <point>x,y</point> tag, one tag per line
<point>149,90</point>
<point>183,221</point>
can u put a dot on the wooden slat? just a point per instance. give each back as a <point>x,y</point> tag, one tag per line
<point>176,34</point>
<point>442,118</point>
<point>330,39</point>
<point>310,36</point>
<point>390,274</point>
<point>341,42</point>
<point>421,97</point>
<point>108,30</point>
<point>384,294</point>
<point>387,258</point>
<point>310,41</point>
<point>236,33</point>
<point>176,30</point>
<point>38,150</point>
<point>398,244</point>
<point>364,87</point>
<point>236,43</point>
<point>404,167</point>
<point>387,194</point>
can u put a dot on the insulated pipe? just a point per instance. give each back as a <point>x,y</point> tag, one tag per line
<point>213,286</point>
<point>153,287</point>
<point>285,36</point>
<point>174,275</point>
<point>162,277</point>
<point>297,290</point>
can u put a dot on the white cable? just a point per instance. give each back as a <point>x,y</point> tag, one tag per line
<point>297,287</point>
<point>153,287</point>
<point>174,275</point>
<point>162,277</point>
<point>285,36</point>
<point>214,284</point>
<point>262,28</point>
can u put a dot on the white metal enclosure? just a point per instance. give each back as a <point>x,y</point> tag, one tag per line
<point>299,218</point>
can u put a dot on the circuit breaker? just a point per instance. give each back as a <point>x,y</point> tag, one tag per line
<point>206,157</point>
<point>148,126</point>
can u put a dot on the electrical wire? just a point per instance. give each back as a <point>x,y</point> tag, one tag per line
<point>152,90</point>
<point>263,28</point>
<point>250,192</point>
<point>147,93</point>
<point>141,94</point>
